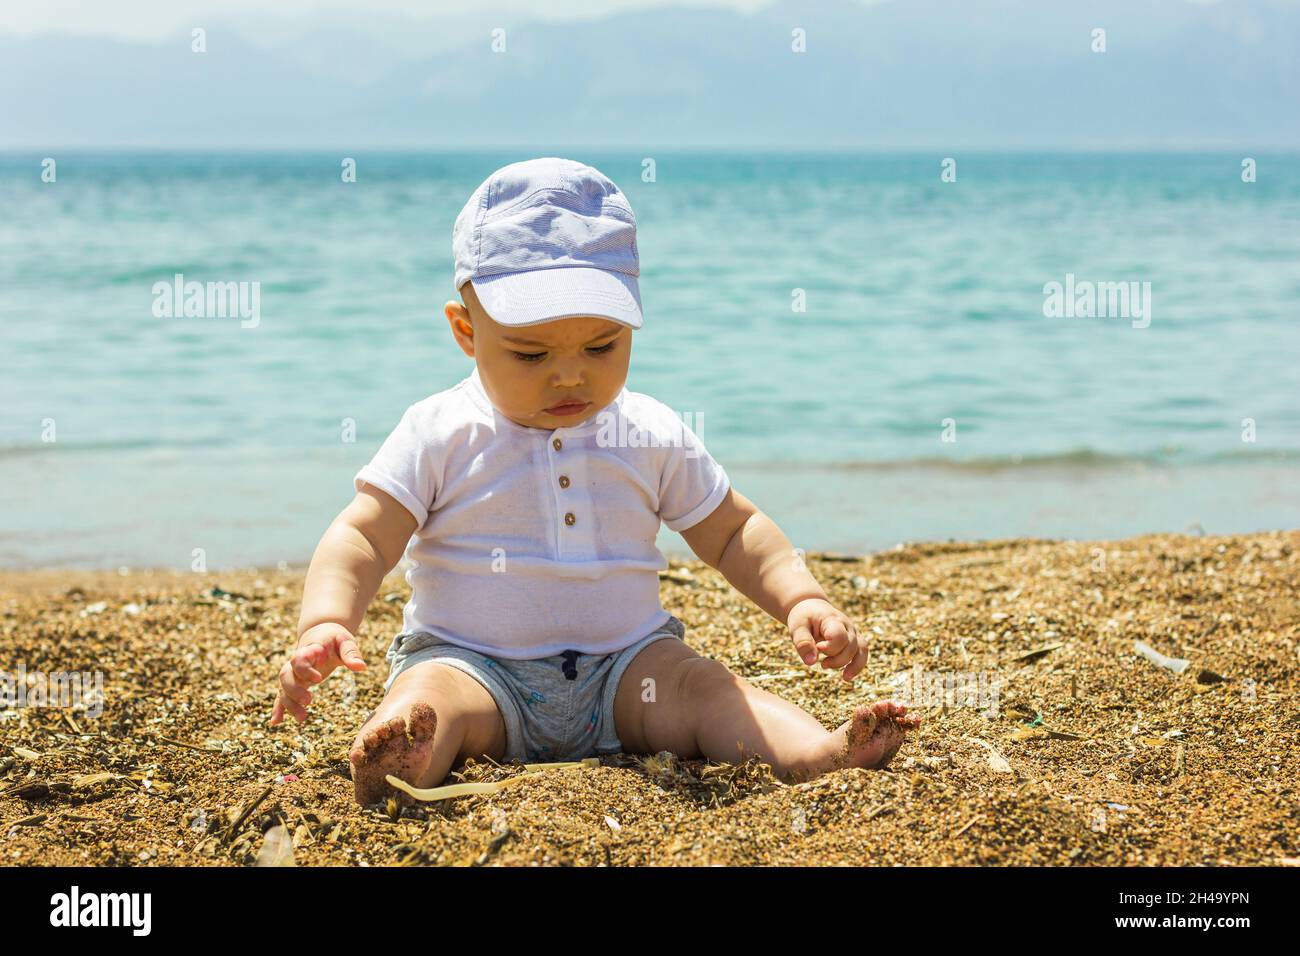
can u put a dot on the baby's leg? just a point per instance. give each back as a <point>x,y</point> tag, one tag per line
<point>697,707</point>
<point>432,717</point>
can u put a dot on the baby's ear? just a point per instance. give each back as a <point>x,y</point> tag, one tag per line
<point>461,323</point>
<point>456,310</point>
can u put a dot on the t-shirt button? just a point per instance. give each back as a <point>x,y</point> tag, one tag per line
<point>564,481</point>
<point>569,518</point>
<point>556,444</point>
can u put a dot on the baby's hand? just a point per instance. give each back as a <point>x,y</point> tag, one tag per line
<point>320,649</point>
<point>817,625</point>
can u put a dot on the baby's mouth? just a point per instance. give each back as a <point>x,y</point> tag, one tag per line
<point>567,408</point>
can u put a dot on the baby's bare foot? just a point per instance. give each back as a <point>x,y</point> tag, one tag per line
<point>386,748</point>
<point>873,734</point>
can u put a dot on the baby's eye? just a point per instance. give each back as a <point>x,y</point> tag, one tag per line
<point>603,348</point>
<point>528,356</point>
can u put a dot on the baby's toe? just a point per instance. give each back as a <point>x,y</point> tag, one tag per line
<point>423,722</point>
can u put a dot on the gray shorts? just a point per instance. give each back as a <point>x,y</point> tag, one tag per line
<point>554,708</point>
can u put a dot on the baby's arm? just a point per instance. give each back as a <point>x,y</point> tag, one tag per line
<point>758,559</point>
<point>360,546</point>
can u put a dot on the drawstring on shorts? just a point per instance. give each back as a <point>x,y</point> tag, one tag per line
<point>570,667</point>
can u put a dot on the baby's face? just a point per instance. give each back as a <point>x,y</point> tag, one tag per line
<point>527,372</point>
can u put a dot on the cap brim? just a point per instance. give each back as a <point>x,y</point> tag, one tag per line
<point>541,295</point>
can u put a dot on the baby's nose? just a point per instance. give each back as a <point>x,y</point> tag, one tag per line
<point>567,375</point>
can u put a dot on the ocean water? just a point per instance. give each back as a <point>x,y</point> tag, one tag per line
<point>862,345</point>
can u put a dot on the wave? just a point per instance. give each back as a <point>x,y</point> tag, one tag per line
<point>1082,458</point>
<point>1076,459</point>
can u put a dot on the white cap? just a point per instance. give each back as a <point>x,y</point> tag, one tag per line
<point>548,239</point>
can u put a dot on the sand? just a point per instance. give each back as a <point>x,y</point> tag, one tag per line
<point>1090,754</point>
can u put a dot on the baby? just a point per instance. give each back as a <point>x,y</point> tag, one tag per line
<point>528,497</point>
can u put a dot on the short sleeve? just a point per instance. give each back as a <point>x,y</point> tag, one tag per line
<point>405,467</point>
<point>693,483</point>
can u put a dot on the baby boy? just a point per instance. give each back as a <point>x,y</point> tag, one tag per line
<point>528,498</point>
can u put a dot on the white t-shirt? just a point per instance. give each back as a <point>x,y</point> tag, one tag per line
<point>533,541</point>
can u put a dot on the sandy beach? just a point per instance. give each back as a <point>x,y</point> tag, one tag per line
<point>1063,745</point>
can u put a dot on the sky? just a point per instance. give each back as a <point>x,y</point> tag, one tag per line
<point>155,19</point>
<point>891,74</point>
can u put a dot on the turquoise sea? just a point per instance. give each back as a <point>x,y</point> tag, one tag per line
<point>920,393</point>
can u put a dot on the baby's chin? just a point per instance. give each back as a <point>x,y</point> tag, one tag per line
<point>551,422</point>
<point>541,420</point>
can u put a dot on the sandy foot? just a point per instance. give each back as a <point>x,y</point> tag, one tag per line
<point>873,734</point>
<point>387,748</point>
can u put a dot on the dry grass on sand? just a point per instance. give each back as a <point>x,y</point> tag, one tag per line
<point>1095,755</point>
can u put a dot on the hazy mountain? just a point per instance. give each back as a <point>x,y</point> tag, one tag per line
<point>933,73</point>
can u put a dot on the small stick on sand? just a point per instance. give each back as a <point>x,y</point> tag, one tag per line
<point>478,789</point>
<point>1175,664</point>
<point>36,819</point>
<point>248,811</point>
